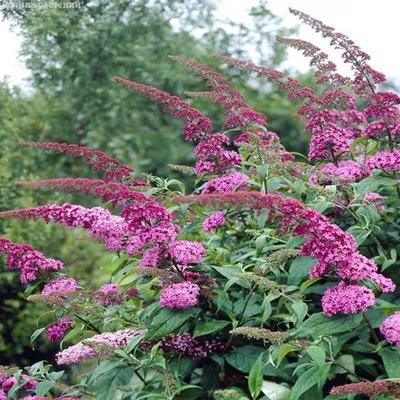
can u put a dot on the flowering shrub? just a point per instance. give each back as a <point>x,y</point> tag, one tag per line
<point>266,283</point>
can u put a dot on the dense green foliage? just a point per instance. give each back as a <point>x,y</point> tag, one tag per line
<point>21,119</point>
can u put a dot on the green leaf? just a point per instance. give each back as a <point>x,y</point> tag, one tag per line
<point>317,354</point>
<point>37,368</point>
<point>267,308</point>
<point>285,349</point>
<point>168,321</point>
<point>227,272</point>
<point>295,242</point>
<point>102,368</point>
<point>308,379</point>
<point>36,334</point>
<point>372,184</point>
<point>73,332</point>
<point>359,234</point>
<point>243,358</point>
<point>262,171</point>
<point>30,287</point>
<point>119,267</point>
<point>231,282</point>
<point>391,360</point>
<point>256,377</point>
<point>273,184</point>
<point>154,350</point>
<point>127,268</point>
<point>252,307</point>
<point>156,396</point>
<point>387,264</point>
<point>134,342</point>
<point>43,387</point>
<point>321,325</point>
<point>106,387</point>
<point>55,375</point>
<point>261,241</point>
<point>347,361</point>
<point>218,359</point>
<point>16,386</point>
<point>205,328</point>
<point>274,391</point>
<point>355,143</point>
<point>177,183</point>
<point>190,394</point>
<point>180,366</point>
<point>186,387</point>
<point>300,308</point>
<point>146,312</point>
<point>308,283</point>
<point>368,215</point>
<point>299,269</point>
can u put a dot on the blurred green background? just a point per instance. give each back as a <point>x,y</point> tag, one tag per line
<point>72,55</point>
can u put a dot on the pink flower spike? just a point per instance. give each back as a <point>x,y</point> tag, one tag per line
<point>56,331</point>
<point>347,299</point>
<point>80,351</point>
<point>186,252</point>
<point>214,221</point>
<point>108,295</point>
<point>390,329</point>
<point>180,295</point>
<point>63,284</point>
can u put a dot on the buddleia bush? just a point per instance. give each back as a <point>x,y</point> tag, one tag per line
<point>275,279</point>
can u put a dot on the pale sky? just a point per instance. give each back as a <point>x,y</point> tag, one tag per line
<point>372,24</point>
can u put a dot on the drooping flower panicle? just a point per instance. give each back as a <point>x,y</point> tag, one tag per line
<point>188,346</point>
<point>228,183</point>
<point>115,170</point>
<point>365,78</point>
<point>99,222</point>
<point>116,192</point>
<point>214,157</point>
<point>196,124</point>
<point>105,341</point>
<point>238,113</point>
<point>108,295</point>
<point>371,389</point>
<point>28,260</point>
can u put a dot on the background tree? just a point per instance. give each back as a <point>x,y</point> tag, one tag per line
<point>74,53</point>
<point>20,118</point>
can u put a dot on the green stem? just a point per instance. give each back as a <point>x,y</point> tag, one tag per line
<point>246,304</point>
<point>378,243</point>
<point>241,216</point>
<point>139,376</point>
<point>333,361</point>
<point>88,323</point>
<point>373,236</point>
<point>241,315</point>
<point>371,329</point>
